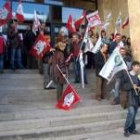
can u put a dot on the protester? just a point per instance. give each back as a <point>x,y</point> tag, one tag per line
<point>48,81</point>
<point>14,43</point>
<point>133,99</point>
<point>2,45</point>
<point>100,60</point>
<point>75,50</point>
<point>116,91</point>
<point>115,43</point>
<point>29,40</point>
<point>58,59</point>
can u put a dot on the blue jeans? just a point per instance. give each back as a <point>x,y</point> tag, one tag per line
<point>16,56</point>
<point>1,61</point>
<point>130,124</point>
<point>77,71</point>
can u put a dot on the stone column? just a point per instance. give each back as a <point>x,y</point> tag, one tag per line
<point>115,7</point>
<point>134,16</point>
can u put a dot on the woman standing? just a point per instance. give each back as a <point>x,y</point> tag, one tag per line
<point>58,59</point>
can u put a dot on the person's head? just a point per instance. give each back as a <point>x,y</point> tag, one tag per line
<point>103,33</point>
<point>43,26</point>
<point>75,38</point>
<point>13,24</point>
<point>122,51</point>
<point>118,38</point>
<point>104,48</point>
<point>128,41</point>
<point>112,36</point>
<point>90,33</point>
<point>61,46</point>
<point>135,66</point>
<point>60,43</point>
<point>124,38</point>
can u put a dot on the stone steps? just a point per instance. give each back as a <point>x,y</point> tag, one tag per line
<point>24,112</point>
<point>69,130</point>
<point>27,112</point>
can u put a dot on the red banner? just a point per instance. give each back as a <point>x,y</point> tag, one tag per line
<point>41,46</point>
<point>69,98</point>
<point>70,25</point>
<point>5,13</point>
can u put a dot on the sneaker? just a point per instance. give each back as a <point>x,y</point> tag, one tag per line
<point>49,88</point>
<point>135,132</point>
<point>127,134</point>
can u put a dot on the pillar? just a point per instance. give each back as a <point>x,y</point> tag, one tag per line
<point>134,23</point>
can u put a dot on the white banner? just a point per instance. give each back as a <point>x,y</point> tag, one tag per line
<point>94,19</point>
<point>114,64</point>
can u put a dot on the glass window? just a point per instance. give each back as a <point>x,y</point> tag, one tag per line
<point>76,13</point>
<point>2,3</point>
<point>28,8</point>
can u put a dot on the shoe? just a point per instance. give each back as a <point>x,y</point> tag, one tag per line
<point>98,98</point>
<point>49,88</point>
<point>135,132</point>
<point>77,82</point>
<point>127,134</point>
<point>2,71</point>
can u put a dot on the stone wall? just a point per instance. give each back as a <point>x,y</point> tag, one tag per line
<point>115,7</point>
<point>134,16</point>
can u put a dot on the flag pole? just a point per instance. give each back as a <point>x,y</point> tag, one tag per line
<point>62,74</point>
<point>130,78</point>
<point>131,81</point>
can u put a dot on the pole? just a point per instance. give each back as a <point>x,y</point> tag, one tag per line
<point>62,74</point>
<point>131,81</point>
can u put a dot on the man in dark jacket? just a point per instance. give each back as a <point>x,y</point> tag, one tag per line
<point>114,44</point>
<point>100,60</point>
<point>116,91</point>
<point>133,99</point>
<point>14,42</point>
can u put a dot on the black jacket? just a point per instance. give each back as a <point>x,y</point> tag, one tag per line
<point>133,98</point>
<point>99,62</point>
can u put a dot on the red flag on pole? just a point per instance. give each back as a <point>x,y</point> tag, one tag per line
<point>69,98</point>
<point>5,13</point>
<point>19,13</point>
<point>94,19</point>
<point>70,25</point>
<point>79,21</point>
<point>41,46</point>
<point>126,22</point>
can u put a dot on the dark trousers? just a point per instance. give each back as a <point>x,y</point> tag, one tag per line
<point>100,87</point>
<point>77,70</point>
<point>130,124</point>
<point>59,90</point>
<point>1,61</point>
<point>16,54</point>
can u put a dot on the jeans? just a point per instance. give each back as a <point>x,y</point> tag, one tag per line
<point>130,124</point>
<point>116,91</point>
<point>16,55</point>
<point>1,61</point>
<point>77,70</point>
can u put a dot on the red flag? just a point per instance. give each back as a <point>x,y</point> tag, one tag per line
<point>126,22</point>
<point>5,13</point>
<point>79,21</point>
<point>19,13</point>
<point>70,25</point>
<point>40,47</point>
<point>68,99</point>
<point>94,19</point>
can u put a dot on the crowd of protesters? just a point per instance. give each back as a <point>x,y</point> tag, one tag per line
<point>14,53</point>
